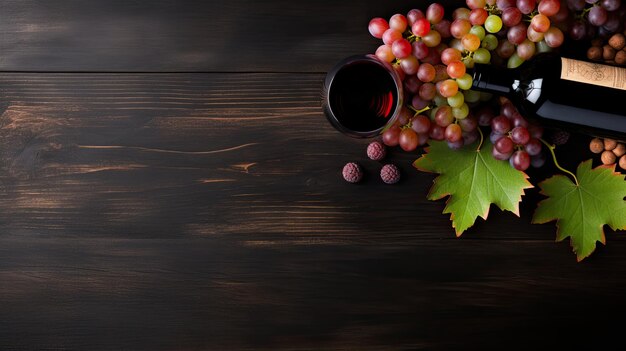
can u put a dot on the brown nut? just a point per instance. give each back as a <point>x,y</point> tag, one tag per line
<point>594,53</point>
<point>617,41</point>
<point>622,162</point>
<point>608,158</point>
<point>609,144</point>
<point>620,58</point>
<point>620,150</point>
<point>608,53</point>
<point>596,145</point>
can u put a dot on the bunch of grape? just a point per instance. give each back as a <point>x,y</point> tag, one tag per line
<point>515,139</point>
<point>612,52</point>
<point>610,151</point>
<point>432,54</point>
<point>593,18</point>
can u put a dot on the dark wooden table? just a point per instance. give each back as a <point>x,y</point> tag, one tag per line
<point>168,182</point>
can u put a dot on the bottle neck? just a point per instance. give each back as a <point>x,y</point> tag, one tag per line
<point>492,79</point>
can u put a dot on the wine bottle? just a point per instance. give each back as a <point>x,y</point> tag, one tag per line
<point>559,92</point>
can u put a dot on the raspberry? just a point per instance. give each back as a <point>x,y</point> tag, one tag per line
<point>390,174</point>
<point>352,172</point>
<point>560,137</point>
<point>376,151</point>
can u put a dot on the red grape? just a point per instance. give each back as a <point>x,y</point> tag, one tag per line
<point>420,124</point>
<point>401,48</point>
<point>540,23</point>
<point>377,27</point>
<point>409,65</point>
<point>436,132</point>
<point>398,22</point>
<point>450,55</point>
<point>533,147</point>
<point>421,27</point>
<point>520,160</point>
<point>414,15</point>
<point>391,136</point>
<point>390,36</point>
<point>408,139</point>
<point>504,145</point>
<point>520,135</point>
<point>549,7</point>
<point>426,72</point>
<point>526,6</point>
<point>444,116</point>
<point>456,69</point>
<point>434,13</point>
<point>428,90</point>
<point>478,16</point>
<point>453,133</point>
<point>500,124</point>
<point>460,27</point>
<point>511,16</point>
<point>420,50</point>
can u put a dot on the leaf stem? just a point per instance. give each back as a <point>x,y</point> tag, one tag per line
<point>556,163</point>
<point>482,139</point>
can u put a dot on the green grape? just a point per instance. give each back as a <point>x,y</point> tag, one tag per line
<point>514,61</point>
<point>478,31</point>
<point>464,82</point>
<point>543,47</point>
<point>456,100</point>
<point>482,55</point>
<point>461,111</point>
<point>440,100</point>
<point>433,113</point>
<point>490,42</point>
<point>472,96</point>
<point>454,43</point>
<point>493,23</point>
<point>468,61</point>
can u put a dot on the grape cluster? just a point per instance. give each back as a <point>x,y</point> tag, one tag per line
<point>593,18</point>
<point>432,55</point>
<point>515,139</point>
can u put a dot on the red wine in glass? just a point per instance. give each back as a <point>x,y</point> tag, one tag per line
<point>362,95</point>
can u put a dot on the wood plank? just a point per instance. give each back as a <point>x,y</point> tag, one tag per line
<point>210,293</point>
<point>203,154</point>
<point>186,35</point>
<point>207,211</point>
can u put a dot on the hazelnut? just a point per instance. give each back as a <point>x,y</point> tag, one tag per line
<point>594,53</point>
<point>609,144</point>
<point>617,41</point>
<point>620,150</point>
<point>596,145</point>
<point>608,53</point>
<point>620,58</point>
<point>608,158</point>
<point>622,162</point>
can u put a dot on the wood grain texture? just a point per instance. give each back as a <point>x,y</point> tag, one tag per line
<point>207,212</point>
<point>185,35</point>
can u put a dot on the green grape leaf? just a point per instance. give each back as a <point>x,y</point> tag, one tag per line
<point>473,180</point>
<point>582,210</point>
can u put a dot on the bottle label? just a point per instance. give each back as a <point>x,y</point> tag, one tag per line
<point>593,73</point>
